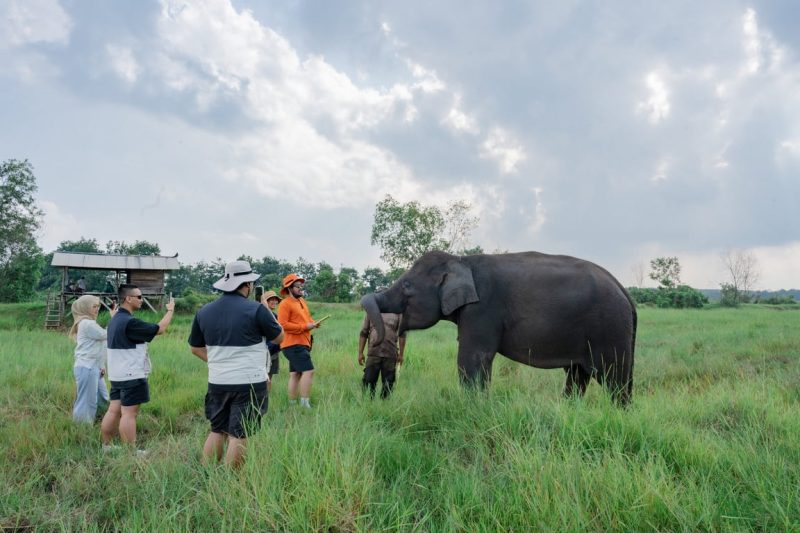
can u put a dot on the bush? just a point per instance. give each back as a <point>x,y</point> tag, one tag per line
<point>678,297</point>
<point>779,300</point>
<point>192,300</point>
<point>730,296</point>
<point>643,296</point>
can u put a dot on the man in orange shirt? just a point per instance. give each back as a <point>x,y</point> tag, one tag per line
<point>295,318</point>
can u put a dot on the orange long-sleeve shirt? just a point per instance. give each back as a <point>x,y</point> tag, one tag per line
<point>294,316</point>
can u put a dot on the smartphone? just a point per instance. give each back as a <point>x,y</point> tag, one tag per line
<point>259,292</point>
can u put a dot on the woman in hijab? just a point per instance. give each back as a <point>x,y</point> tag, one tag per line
<point>90,358</point>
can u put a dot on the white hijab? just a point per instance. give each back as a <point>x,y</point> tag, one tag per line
<point>82,310</point>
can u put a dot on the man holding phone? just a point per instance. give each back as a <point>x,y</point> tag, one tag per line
<point>129,364</point>
<point>295,318</point>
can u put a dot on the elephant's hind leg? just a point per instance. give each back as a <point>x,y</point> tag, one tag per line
<point>616,373</point>
<point>577,379</point>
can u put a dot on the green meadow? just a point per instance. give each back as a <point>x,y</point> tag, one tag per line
<point>710,443</point>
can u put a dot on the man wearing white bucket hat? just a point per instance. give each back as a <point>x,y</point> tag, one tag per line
<point>229,335</point>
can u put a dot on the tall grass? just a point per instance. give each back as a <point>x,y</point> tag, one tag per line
<point>711,442</point>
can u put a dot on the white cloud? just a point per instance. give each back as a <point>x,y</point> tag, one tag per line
<point>295,157</point>
<point>460,121</point>
<point>780,265</point>
<point>311,115</point>
<point>759,47</point>
<point>312,118</point>
<point>539,215</point>
<point>660,173</point>
<point>28,67</point>
<point>33,21</point>
<point>791,146</point>
<point>123,62</point>
<point>426,80</point>
<point>501,146</point>
<point>657,106</point>
<point>751,42</point>
<point>787,155</point>
<point>57,226</point>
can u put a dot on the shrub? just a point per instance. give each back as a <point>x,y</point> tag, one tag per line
<point>678,297</point>
<point>192,300</point>
<point>779,300</point>
<point>643,296</point>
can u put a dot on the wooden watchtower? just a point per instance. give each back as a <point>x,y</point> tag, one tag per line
<point>148,272</point>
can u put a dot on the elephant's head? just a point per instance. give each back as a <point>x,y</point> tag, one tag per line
<point>435,287</point>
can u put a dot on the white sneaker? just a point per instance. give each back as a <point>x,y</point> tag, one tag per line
<point>142,453</point>
<point>107,448</point>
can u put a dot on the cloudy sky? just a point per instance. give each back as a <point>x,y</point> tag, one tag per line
<point>612,131</point>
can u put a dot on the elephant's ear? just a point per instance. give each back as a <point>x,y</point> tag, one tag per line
<point>458,288</point>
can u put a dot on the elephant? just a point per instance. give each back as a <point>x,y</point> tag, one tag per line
<point>545,311</point>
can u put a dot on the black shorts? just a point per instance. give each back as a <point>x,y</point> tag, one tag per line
<point>236,410</point>
<point>299,357</point>
<point>131,392</point>
<point>275,364</point>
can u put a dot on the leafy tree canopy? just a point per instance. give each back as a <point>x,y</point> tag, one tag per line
<point>404,232</point>
<point>20,218</point>
<point>137,248</point>
<point>666,271</point>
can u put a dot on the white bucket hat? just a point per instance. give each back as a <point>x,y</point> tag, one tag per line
<point>236,273</point>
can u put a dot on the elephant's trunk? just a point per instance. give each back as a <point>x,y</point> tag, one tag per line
<point>370,304</point>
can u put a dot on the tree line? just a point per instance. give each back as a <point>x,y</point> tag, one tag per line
<point>323,282</point>
<point>403,231</point>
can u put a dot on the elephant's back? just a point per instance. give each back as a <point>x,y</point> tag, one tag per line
<point>551,304</point>
<point>526,269</point>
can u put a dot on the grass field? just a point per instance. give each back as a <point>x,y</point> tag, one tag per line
<point>711,442</point>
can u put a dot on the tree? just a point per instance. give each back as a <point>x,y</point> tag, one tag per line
<point>137,248</point>
<point>323,287</point>
<point>404,232</point>
<point>475,250</point>
<point>52,276</point>
<point>95,279</point>
<point>373,279</point>
<point>20,218</point>
<point>272,271</point>
<point>199,277</point>
<point>743,274</point>
<point>666,271</point>
<point>348,285</point>
<point>637,270</point>
<point>458,224</point>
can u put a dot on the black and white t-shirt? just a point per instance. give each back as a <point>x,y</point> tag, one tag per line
<point>127,346</point>
<point>233,330</point>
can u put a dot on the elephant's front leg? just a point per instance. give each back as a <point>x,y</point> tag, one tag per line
<point>474,365</point>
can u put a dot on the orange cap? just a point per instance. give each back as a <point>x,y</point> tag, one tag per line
<point>288,281</point>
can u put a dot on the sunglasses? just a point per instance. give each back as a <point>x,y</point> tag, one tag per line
<point>138,296</point>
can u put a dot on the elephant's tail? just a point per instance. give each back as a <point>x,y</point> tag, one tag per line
<point>628,387</point>
<point>633,345</point>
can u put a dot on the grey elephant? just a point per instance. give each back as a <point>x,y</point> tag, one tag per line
<point>546,311</point>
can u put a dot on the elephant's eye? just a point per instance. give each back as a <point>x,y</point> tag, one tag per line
<point>406,287</point>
